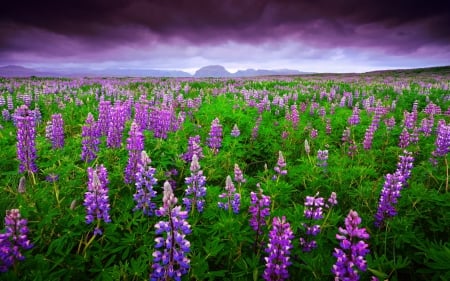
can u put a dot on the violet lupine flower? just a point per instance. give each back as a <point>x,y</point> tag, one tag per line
<point>215,136</point>
<point>404,138</point>
<point>322,158</point>
<point>427,126</point>
<point>279,250</point>
<point>232,197</point>
<point>442,142</point>
<point>14,240</point>
<point>328,126</point>
<point>354,119</point>
<point>390,123</point>
<point>104,117</point>
<point>55,131</point>
<point>170,261</point>
<point>6,115</point>
<point>255,129</point>
<point>193,148</point>
<point>368,137</point>
<point>281,163</point>
<point>313,134</point>
<point>196,189</point>
<point>90,141</point>
<point>145,181</point>
<point>353,249</point>
<point>142,115</point>
<point>235,132</point>
<point>135,146</point>
<point>238,175</point>
<point>259,210</point>
<point>294,116</point>
<point>26,140</point>
<point>116,126</point>
<point>96,199</point>
<point>393,184</point>
<point>313,212</point>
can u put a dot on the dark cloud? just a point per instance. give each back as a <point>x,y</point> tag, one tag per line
<point>72,27</point>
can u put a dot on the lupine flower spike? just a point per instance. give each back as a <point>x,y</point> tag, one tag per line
<point>196,190</point>
<point>145,181</point>
<point>233,199</point>
<point>170,261</point>
<point>259,210</point>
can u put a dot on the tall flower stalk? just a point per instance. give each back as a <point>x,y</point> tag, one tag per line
<point>232,198</point>
<point>90,139</point>
<point>14,240</point>
<point>170,261</point>
<point>215,136</point>
<point>196,189</point>
<point>26,141</point>
<point>259,210</point>
<point>135,146</point>
<point>350,257</point>
<point>278,250</point>
<point>55,131</point>
<point>145,181</point>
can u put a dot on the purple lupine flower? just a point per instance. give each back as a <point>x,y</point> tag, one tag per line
<point>90,141</point>
<point>368,137</point>
<point>196,189</point>
<point>404,138</point>
<point>170,261</point>
<point>328,126</point>
<point>235,131</point>
<point>281,163</point>
<point>354,119</point>
<point>392,187</point>
<point>135,146</point>
<point>427,126</point>
<point>193,148</point>
<point>313,212</point>
<point>442,142</point>
<point>116,126</point>
<point>353,249</point>
<point>259,210</point>
<point>14,240</point>
<point>215,136</point>
<point>26,140</point>
<point>279,250</point>
<point>233,198</point>
<point>145,181</point>
<point>390,123</point>
<point>96,200</point>
<point>238,175</point>
<point>322,159</point>
<point>6,115</point>
<point>294,116</point>
<point>255,129</point>
<point>142,115</point>
<point>104,117</point>
<point>313,134</point>
<point>55,131</point>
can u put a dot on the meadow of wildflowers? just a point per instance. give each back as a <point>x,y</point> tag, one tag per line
<point>342,177</point>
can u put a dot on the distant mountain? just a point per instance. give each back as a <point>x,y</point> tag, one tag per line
<point>220,71</point>
<point>20,71</point>
<point>207,71</point>
<point>212,71</point>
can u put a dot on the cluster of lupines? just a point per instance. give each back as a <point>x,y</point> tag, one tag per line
<point>239,176</point>
<point>193,148</point>
<point>354,119</point>
<point>404,138</point>
<point>54,131</point>
<point>26,140</point>
<point>96,200</point>
<point>215,136</point>
<point>350,257</point>
<point>142,115</point>
<point>116,126</point>
<point>393,184</point>
<point>104,117</point>
<point>14,240</point>
<point>161,120</point>
<point>170,261</point>
<point>256,127</point>
<point>278,250</point>
<point>314,212</point>
<point>233,198</point>
<point>90,139</point>
<point>135,146</point>
<point>145,181</point>
<point>259,209</point>
<point>281,164</point>
<point>196,189</point>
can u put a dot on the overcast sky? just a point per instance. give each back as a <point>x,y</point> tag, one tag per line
<point>307,35</point>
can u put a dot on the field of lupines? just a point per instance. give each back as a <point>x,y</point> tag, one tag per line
<point>276,178</point>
